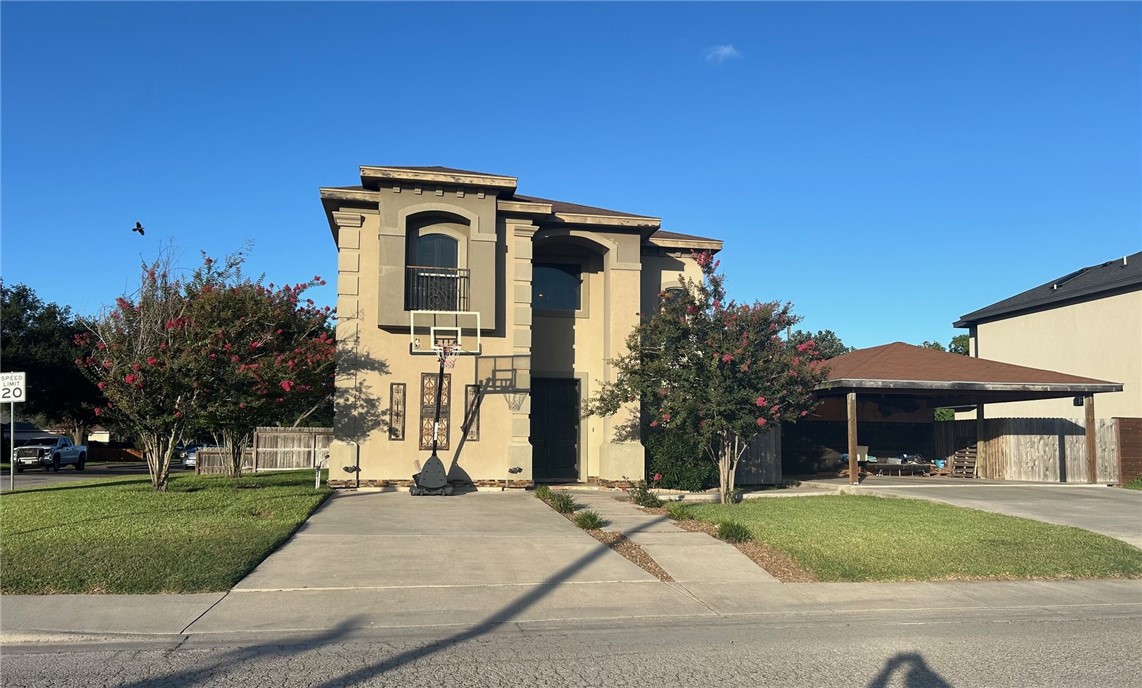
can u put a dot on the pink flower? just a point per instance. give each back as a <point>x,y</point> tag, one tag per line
<point>98,411</point>
<point>761,401</point>
<point>654,423</point>
<point>102,385</point>
<point>151,360</point>
<point>666,418</point>
<point>726,358</point>
<point>130,378</point>
<point>804,413</point>
<point>761,422</point>
<point>286,385</point>
<point>657,477</point>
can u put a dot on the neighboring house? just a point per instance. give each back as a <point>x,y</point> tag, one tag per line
<point>549,290</point>
<point>1087,323</point>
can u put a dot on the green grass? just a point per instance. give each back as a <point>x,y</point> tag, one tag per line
<point>864,538</point>
<point>117,535</point>
<point>1135,484</point>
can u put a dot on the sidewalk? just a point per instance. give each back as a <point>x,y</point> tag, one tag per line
<point>385,560</point>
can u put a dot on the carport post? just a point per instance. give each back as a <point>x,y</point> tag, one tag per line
<point>852,416</point>
<point>981,465</point>
<point>1091,440</point>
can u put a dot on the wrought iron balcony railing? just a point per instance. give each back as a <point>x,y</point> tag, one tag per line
<point>436,289</point>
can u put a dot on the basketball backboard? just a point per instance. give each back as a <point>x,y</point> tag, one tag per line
<point>430,331</point>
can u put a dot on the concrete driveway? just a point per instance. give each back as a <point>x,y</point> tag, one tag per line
<point>1110,511</point>
<point>393,559</point>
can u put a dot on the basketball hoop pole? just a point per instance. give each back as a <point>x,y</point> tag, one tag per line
<point>445,352</point>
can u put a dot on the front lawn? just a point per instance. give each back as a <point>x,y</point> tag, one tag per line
<point>119,536</point>
<point>865,538</point>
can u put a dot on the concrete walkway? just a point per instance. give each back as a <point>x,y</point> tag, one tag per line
<point>379,560</point>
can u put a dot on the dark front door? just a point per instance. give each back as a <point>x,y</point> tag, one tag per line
<point>554,429</point>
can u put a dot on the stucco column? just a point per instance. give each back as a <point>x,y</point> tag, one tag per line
<point>344,450</point>
<point>521,233</point>
<point>622,454</point>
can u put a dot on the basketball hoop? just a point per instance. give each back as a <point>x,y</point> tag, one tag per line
<point>448,355</point>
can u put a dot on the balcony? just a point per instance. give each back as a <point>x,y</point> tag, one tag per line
<point>436,289</point>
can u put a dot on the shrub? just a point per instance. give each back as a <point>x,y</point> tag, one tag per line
<point>679,511</point>
<point>675,454</point>
<point>641,495</point>
<point>588,520</point>
<point>732,531</point>
<point>543,492</point>
<point>562,502</point>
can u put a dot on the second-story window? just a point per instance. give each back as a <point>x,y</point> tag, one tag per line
<point>435,283</point>
<point>436,251</point>
<point>556,286</point>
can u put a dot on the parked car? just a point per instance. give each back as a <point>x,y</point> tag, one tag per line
<point>189,453</point>
<point>49,453</point>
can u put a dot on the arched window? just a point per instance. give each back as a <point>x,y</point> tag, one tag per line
<point>435,282</point>
<point>437,251</point>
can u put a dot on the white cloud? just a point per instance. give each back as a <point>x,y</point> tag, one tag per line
<point>720,53</point>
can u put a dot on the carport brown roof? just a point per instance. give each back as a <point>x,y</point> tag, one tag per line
<point>900,368</point>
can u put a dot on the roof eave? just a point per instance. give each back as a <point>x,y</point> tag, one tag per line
<point>696,244</point>
<point>433,177</point>
<point>902,385</point>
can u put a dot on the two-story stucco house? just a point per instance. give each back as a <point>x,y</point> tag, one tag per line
<point>541,293</point>
<point>1088,322</point>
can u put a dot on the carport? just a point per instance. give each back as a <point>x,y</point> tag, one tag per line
<point>935,379</point>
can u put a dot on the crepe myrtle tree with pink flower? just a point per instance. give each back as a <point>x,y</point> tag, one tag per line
<point>267,353</point>
<point>138,353</point>
<point>711,366</point>
<point>215,351</point>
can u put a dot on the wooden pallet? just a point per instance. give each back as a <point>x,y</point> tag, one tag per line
<point>963,462</point>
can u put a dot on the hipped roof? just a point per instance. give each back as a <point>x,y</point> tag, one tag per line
<point>949,379</point>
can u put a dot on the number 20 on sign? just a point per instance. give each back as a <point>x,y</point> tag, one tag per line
<point>11,387</point>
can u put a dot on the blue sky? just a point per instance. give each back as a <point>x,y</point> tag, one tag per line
<point>887,167</point>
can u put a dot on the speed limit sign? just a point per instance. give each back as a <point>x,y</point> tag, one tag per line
<point>11,387</point>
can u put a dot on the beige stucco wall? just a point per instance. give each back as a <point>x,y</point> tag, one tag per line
<point>374,354</point>
<point>621,281</point>
<point>1100,339</point>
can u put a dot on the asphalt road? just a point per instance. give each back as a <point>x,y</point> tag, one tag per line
<point>37,478</point>
<point>1088,646</point>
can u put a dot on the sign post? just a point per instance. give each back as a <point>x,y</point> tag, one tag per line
<point>12,391</point>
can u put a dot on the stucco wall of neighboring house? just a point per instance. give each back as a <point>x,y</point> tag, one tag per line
<point>1100,338</point>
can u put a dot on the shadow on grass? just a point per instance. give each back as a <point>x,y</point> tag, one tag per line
<point>78,485</point>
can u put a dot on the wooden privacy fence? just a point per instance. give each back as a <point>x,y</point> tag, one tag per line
<point>214,460</point>
<point>275,449</point>
<point>287,449</point>
<point>761,463</point>
<point>1033,449</point>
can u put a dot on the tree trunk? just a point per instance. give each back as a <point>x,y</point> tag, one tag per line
<point>158,451</point>
<point>236,444</point>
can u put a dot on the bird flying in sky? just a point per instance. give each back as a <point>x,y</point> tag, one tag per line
<point>138,228</point>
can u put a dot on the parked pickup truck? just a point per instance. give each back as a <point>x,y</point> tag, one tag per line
<point>49,453</point>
